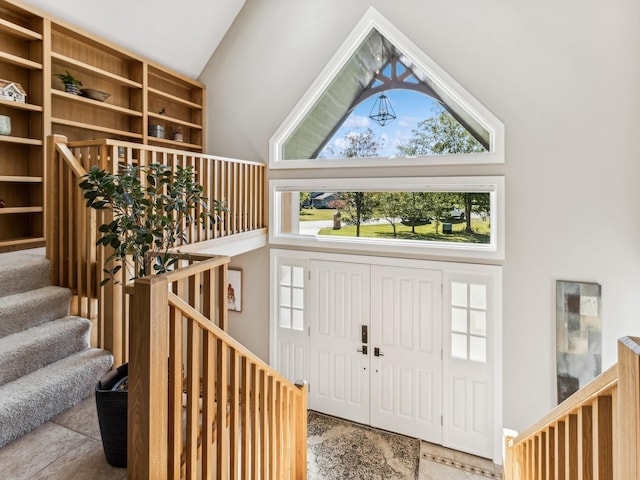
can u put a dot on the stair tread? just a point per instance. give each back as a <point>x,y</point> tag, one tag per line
<point>23,270</point>
<point>17,310</point>
<point>37,397</point>
<point>28,350</point>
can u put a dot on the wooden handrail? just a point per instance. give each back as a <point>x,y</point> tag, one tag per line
<point>71,228</point>
<point>224,410</point>
<point>599,385</point>
<point>594,434</point>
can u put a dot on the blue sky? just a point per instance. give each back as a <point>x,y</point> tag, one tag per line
<point>410,108</point>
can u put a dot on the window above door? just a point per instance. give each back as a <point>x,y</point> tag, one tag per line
<point>445,216</point>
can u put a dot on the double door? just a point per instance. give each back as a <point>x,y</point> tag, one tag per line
<point>375,346</point>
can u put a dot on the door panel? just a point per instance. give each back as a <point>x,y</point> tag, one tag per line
<point>406,326</point>
<point>468,364</point>
<point>339,305</point>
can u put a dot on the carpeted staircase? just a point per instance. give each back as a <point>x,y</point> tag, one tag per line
<point>46,364</point>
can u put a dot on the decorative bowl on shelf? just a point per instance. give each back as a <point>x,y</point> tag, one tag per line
<point>94,94</point>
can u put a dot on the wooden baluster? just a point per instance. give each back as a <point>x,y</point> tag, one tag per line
<point>255,431</point>
<point>234,402</point>
<point>585,443</point>
<point>571,444</point>
<point>264,427</point>
<point>550,454</point>
<point>175,385</point>
<point>245,401</point>
<point>301,433</point>
<point>542,455</point>
<point>602,438</point>
<point>193,399</point>
<point>222,387</point>
<point>560,451</point>
<point>210,416</point>
<point>272,425</point>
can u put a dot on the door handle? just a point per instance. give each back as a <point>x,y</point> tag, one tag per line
<point>377,352</point>
<point>363,350</point>
<point>365,334</point>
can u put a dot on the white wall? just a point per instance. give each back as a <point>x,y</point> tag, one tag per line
<point>562,76</point>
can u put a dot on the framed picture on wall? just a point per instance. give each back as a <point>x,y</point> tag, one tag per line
<point>578,336</point>
<point>234,290</point>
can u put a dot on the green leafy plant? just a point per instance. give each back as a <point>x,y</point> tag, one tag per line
<point>153,208</point>
<point>69,79</point>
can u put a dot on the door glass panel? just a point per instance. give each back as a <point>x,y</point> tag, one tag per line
<point>459,346</point>
<point>285,318</point>
<point>478,296</point>
<point>285,296</point>
<point>285,275</point>
<point>478,322</point>
<point>459,294</point>
<point>298,277</point>
<point>459,319</point>
<point>298,298</point>
<point>478,349</point>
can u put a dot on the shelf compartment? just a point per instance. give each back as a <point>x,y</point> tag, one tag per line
<point>12,210</point>
<point>85,67</point>
<point>18,31</point>
<point>20,140</point>
<point>22,241</point>
<point>173,143</point>
<point>175,99</point>
<point>95,103</point>
<point>96,128</point>
<point>174,120</point>
<point>20,179</point>
<point>19,61</point>
<point>20,106</point>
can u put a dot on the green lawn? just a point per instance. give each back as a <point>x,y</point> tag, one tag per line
<point>310,214</point>
<point>426,232</point>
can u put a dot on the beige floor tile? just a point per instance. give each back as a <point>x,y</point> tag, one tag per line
<point>82,418</point>
<point>23,458</point>
<point>87,462</point>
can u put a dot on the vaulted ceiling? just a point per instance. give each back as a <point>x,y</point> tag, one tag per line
<point>181,35</point>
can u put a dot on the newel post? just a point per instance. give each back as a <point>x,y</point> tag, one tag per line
<point>148,380</point>
<point>629,408</point>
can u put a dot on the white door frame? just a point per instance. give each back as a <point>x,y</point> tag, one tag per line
<point>495,342</point>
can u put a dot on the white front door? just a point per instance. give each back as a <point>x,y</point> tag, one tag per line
<point>339,306</point>
<point>406,356</point>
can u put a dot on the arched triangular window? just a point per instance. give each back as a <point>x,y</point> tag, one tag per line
<point>356,92</point>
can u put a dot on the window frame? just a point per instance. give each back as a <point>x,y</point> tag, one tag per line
<point>494,185</point>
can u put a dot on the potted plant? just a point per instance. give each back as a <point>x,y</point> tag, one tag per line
<point>71,84</point>
<point>148,221</point>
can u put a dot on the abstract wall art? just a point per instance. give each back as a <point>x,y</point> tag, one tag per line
<point>578,335</point>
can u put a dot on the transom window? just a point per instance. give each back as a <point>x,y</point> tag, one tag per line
<point>451,216</point>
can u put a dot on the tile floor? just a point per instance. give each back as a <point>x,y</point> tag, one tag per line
<point>69,448</point>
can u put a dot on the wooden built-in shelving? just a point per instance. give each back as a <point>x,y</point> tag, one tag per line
<point>22,60</point>
<point>33,49</point>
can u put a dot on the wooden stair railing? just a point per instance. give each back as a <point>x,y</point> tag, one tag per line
<point>593,435</point>
<point>71,227</point>
<point>243,420</point>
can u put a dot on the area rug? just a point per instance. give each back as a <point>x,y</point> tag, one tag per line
<point>338,449</point>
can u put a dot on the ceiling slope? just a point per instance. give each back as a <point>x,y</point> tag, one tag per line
<point>179,35</point>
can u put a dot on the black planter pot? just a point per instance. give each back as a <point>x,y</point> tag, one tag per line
<point>112,415</point>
